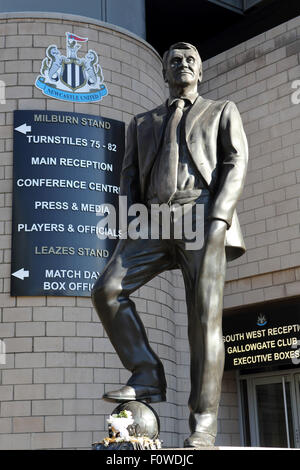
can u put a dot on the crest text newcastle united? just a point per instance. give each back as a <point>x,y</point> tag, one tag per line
<point>70,78</point>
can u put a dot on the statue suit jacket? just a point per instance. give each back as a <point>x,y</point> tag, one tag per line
<point>217,143</point>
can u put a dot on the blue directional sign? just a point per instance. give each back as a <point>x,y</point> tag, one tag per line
<point>66,178</point>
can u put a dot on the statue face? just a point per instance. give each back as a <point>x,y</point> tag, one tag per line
<point>183,68</point>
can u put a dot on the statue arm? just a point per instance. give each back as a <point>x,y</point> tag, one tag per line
<point>130,181</point>
<point>233,167</point>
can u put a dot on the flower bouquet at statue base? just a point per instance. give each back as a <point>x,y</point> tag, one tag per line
<point>133,426</point>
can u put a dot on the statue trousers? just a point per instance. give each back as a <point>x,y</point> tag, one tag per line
<point>133,264</point>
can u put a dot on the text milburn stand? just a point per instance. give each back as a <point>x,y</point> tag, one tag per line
<point>66,168</point>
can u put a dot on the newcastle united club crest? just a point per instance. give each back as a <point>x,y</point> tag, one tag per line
<point>70,78</point>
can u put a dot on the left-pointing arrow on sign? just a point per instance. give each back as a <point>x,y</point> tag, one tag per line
<point>21,274</point>
<point>23,129</point>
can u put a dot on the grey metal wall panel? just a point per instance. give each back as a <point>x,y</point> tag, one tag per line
<point>251,3</point>
<point>237,5</point>
<point>76,7</point>
<point>129,14</point>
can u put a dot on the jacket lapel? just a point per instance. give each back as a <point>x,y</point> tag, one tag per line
<point>151,134</point>
<point>158,123</point>
<point>196,111</point>
<point>198,108</point>
<point>160,114</point>
<point>159,118</point>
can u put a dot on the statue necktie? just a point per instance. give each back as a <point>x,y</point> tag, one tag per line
<point>168,166</point>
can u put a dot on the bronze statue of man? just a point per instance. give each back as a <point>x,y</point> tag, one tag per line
<point>189,150</point>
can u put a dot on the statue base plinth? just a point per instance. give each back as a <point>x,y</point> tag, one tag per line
<point>140,443</point>
<point>113,446</point>
<point>141,428</point>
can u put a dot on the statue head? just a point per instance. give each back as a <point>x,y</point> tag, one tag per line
<point>182,65</point>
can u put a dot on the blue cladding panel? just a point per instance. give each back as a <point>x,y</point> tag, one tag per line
<point>129,14</point>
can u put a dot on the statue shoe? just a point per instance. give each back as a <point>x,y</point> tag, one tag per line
<point>200,439</point>
<point>138,392</point>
